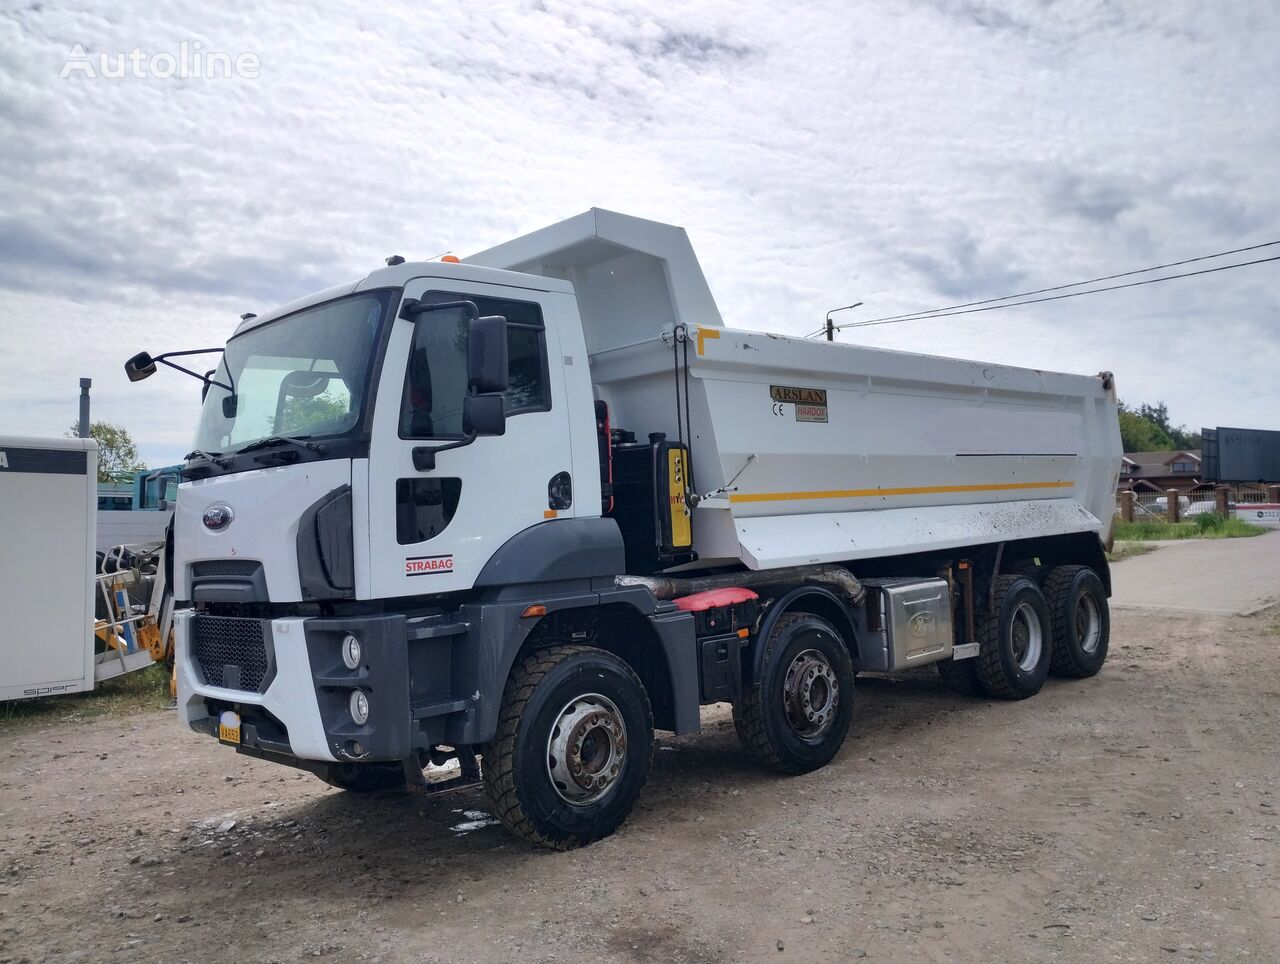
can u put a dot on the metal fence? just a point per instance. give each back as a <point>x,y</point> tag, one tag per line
<point>1153,506</point>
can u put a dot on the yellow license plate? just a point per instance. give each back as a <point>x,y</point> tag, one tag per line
<point>229,727</point>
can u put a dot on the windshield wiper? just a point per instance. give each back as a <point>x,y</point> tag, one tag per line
<point>201,465</point>
<point>300,442</point>
<point>197,454</point>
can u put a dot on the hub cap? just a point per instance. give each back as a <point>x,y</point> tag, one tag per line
<point>1088,623</point>
<point>1028,640</point>
<point>587,749</point>
<point>810,694</point>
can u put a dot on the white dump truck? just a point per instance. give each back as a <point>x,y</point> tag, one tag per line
<point>523,509</point>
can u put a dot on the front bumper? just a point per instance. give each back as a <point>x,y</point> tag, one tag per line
<point>290,698</point>
<point>409,672</point>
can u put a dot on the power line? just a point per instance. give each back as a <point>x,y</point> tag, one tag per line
<point>1039,291</point>
<point>945,313</point>
<point>1075,284</point>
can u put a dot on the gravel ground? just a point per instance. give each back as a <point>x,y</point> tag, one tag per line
<point>1131,817</point>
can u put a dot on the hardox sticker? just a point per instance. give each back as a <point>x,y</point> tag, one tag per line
<point>810,403</point>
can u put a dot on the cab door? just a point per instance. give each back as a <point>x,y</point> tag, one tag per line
<point>433,530</point>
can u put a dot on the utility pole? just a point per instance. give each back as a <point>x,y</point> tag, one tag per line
<point>831,325</point>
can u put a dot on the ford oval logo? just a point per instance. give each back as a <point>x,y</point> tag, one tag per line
<point>218,517</point>
<point>921,625</point>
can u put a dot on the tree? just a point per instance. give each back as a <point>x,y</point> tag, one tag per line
<point>1138,434</point>
<point>302,414</point>
<point>1179,436</point>
<point>117,453</point>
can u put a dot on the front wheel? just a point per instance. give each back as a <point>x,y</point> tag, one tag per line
<point>573,747</point>
<point>796,717</point>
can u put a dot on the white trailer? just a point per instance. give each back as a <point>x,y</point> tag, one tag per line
<point>529,507</point>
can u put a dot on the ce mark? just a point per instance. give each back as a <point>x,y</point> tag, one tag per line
<point>779,408</point>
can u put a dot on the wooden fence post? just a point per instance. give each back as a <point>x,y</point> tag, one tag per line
<point>1173,508</point>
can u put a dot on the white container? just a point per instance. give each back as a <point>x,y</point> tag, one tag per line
<point>48,498</point>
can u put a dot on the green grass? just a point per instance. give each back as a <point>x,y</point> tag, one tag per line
<point>1207,526</point>
<point>1125,550</point>
<point>147,689</point>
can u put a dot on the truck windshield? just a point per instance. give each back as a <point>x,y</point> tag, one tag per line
<point>305,375</point>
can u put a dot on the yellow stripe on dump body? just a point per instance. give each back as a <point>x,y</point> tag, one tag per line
<point>908,490</point>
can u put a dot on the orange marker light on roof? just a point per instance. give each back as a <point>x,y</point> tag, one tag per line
<point>450,259</point>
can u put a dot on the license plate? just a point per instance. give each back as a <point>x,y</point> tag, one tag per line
<point>229,727</point>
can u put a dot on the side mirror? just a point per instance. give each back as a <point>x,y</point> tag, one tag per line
<point>487,356</point>
<point>484,415</point>
<point>140,366</point>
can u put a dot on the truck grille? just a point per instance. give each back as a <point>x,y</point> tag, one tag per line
<point>225,567</point>
<point>232,652</point>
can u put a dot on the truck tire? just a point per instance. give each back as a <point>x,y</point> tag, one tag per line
<point>1081,621</point>
<point>1015,641</point>
<point>573,746</point>
<point>961,676</point>
<point>364,777</point>
<point>795,718</point>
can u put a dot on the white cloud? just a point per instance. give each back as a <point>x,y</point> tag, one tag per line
<point>905,155</point>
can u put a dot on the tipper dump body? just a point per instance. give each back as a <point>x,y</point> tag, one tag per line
<point>810,452</point>
<point>820,452</point>
<point>519,512</point>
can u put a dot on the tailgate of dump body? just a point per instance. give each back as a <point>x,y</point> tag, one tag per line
<point>842,452</point>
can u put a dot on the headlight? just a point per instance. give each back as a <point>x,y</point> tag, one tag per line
<point>359,707</point>
<point>351,652</point>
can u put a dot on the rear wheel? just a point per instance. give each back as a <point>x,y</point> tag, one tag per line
<point>1081,620</point>
<point>364,777</point>
<point>796,717</point>
<point>1014,641</point>
<point>573,747</point>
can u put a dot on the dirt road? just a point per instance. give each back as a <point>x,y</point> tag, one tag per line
<point>1224,576</point>
<point>1132,817</point>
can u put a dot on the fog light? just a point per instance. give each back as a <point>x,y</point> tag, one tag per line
<point>351,652</point>
<point>359,706</point>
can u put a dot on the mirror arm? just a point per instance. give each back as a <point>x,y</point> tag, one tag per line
<point>204,378</point>
<point>187,351</point>
<point>424,456</point>
<point>412,309</point>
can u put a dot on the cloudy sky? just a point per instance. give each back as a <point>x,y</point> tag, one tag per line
<point>905,154</point>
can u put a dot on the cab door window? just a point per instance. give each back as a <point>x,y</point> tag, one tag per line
<point>436,378</point>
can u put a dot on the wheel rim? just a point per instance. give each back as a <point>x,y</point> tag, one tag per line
<point>1028,639</point>
<point>1088,623</point>
<point>587,749</point>
<point>810,694</point>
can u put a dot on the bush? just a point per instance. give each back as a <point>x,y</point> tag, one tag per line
<point>1211,522</point>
